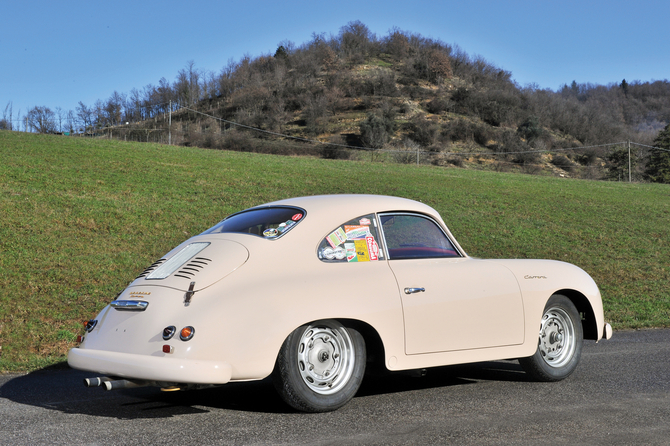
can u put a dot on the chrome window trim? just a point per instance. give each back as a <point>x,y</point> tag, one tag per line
<point>382,236</point>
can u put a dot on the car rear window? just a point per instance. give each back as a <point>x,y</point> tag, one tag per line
<point>267,222</point>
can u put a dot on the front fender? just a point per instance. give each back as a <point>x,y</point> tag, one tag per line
<point>540,279</point>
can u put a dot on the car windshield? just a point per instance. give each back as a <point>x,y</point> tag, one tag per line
<point>268,222</point>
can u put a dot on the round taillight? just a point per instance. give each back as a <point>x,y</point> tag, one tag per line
<point>169,331</point>
<point>186,333</point>
<point>90,325</point>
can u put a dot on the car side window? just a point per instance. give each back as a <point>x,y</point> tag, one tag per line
<point>411,236</point>
<point>354,241</point>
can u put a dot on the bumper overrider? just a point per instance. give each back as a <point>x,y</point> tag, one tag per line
<point>607,331</point>
<point>150,368</point>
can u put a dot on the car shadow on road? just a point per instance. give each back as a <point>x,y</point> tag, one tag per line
<point>454,375</point>
<point>61,388</point>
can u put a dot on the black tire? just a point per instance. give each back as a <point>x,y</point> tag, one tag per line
<point>560,342</point>
<point>320,366</point>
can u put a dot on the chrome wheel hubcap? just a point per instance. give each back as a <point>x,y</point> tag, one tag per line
<point>325,358</point>
<point>557,337</point>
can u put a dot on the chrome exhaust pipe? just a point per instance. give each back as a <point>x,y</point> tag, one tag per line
<point>123,384</point>
<point>96,382</point>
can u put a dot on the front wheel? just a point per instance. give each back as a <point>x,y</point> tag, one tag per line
<point>320,366</point>
<point>560,342</point>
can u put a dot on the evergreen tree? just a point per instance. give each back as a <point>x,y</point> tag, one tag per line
<point>658,166</point>
<point>618,164</point>
<point>624,87</point>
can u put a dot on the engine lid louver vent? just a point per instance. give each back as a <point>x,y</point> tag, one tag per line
<point>193,267</point>
<point>151,267</point>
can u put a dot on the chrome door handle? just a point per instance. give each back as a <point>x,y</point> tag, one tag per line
<point>414,290</point>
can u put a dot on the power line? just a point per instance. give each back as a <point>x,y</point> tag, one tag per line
<point>649,147</point>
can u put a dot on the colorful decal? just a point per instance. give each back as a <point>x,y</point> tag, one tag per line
<point>362,253</point>
<point>340,253</point>
<point>364,221</point>
<point>351,252</point>
<point>270,232</point>
<point>373,248</point>
<point>328,253</point>
<point>296,217</point>
<point>337,237</point>
<point>357,232</point>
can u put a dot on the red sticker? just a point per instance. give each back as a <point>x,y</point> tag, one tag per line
<point>296,217</point>
<point>373,248</point>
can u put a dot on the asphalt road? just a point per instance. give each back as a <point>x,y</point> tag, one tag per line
<point>619,395</point>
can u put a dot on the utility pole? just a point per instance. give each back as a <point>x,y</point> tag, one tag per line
<point>170,126</point>
<point>630,177</point>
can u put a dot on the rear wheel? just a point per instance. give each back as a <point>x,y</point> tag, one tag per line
<point>320,366</point>
<point>560,342</point>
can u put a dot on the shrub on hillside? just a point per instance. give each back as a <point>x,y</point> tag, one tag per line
<point>381,83</point>
<point>587,158</point>
<point>439,105</point>
<point>377,129</point>
<point>335,150</point>
<point>562,162</point>
<point>423,131</point>
<point>530,129</point>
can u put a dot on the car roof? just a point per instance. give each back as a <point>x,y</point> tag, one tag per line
<point>355,204</point>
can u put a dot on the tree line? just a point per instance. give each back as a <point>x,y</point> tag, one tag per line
<point>398,90</point>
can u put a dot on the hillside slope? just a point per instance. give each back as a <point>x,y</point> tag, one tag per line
<point>400,93</point>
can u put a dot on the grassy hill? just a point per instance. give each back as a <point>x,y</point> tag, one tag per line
<point>79,218</point>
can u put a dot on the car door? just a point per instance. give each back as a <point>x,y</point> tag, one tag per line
<point>450,302</point>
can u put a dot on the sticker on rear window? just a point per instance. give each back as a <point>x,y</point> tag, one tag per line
<point>356,232</point>
<point>337,237</point>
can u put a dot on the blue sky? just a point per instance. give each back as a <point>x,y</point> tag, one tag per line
<point>57,53</point>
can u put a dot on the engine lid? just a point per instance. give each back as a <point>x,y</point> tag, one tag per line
<point>199,260</point>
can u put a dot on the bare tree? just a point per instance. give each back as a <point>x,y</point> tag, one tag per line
<point>113,109</point>
<point>134,108</point>
<point>70,121</point>
<point>99,120</point>
<point>85,115</point>
<point>6,122</point>
<point>188,86</point>
<point>60,115</point>
<point>356,40</point>
<point>41,120</point>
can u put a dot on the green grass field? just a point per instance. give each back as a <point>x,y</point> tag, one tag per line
<point>79,219</point>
